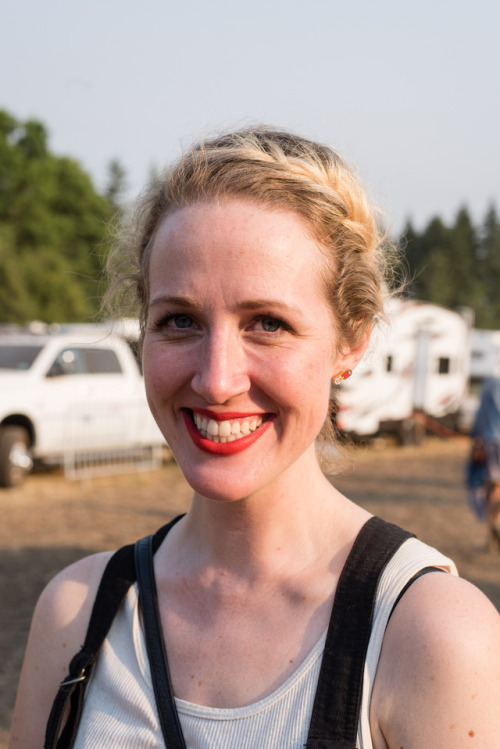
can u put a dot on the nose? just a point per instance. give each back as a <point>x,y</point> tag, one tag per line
<point>222,371</point>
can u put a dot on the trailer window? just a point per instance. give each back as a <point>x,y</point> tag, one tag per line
<point>443,365</point>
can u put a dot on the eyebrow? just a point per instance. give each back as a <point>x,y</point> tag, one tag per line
<point>250,304</point>
<point>181,301</point>
<point>263,303</point>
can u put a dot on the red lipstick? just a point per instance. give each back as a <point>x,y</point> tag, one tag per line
<point>223,448</point>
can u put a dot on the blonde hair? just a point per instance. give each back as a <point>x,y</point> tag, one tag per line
<point>283,171</point>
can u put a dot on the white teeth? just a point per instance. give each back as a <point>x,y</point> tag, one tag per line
<point>212,428</point>
<point>225,431</point>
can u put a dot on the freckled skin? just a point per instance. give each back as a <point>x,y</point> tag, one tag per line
<point>446,635</point>
<point>223,258</point>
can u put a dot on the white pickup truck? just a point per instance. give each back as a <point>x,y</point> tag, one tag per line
<point>77,391</point>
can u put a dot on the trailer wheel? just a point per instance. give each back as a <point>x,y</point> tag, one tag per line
<point>15,458</point>
<point>406,433</point>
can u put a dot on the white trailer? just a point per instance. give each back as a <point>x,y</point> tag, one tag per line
<point>417,362</point>
<point>485,354</point>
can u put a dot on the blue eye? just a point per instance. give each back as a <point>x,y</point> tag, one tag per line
<point>182,321</point>
<point>271,324</point>
<point>176,322</point>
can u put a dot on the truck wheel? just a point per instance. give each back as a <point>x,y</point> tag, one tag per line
<point>15,458</point>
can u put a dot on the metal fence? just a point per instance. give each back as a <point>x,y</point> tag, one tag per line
<point>85,464</point>
<point>96,443</point>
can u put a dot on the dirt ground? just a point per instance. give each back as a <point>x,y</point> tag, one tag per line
<point>48,523</point>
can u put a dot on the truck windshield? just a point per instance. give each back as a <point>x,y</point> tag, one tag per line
<point>18,357</point>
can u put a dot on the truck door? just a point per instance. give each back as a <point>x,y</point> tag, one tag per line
<point>89,398</point>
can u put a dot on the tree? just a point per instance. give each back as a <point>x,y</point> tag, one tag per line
<point>53,230</point>
<point>457,265</point>
<point>489,313</point>
<point>426,254</point>
<point>116,184</point>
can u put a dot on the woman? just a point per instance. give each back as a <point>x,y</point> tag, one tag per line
<point>259,278</point>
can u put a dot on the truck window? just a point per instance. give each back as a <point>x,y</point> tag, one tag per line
<point>18,357</point>
<point>69,361</point>
<point>78,361</point>
<point>102,361</point>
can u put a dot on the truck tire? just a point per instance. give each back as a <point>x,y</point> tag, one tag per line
<point>15,458</point>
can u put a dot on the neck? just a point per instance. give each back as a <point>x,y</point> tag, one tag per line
<point>292,522</point>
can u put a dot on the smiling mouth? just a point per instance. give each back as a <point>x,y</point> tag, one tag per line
<point>229,430</point>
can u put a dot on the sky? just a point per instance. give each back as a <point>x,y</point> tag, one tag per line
<point>407,91</point>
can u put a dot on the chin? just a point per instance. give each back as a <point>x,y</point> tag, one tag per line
<point>206,485</point>
<point>223,479</point>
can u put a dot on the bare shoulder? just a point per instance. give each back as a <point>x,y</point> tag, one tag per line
<point>57,632</point>
<point>438,678</point>
<point>65,597</point>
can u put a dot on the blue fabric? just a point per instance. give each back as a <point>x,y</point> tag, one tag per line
<point>476,477</point>
<point>485,432</point>
<point>476,474</point>
<point>487,421</point>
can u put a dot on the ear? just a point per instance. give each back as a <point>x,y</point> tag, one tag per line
<point>349,357</point>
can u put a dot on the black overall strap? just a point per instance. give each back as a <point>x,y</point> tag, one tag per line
<point>117,578</point>
<point>160,674</point>
<point>335,716</point>
<point>334,721</point>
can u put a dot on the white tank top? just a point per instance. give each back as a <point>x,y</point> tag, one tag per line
<point>120,711</point>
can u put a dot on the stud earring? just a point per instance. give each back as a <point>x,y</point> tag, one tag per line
<point>341,377</point>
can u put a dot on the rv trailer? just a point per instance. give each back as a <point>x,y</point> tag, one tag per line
<point>417,362</point>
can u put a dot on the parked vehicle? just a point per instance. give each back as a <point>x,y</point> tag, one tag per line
<point>418,362</point>
<point>78,390</point>
<point>485,354</point>
<point>484,363</point>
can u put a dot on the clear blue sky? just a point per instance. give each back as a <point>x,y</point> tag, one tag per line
<point>408,91</point>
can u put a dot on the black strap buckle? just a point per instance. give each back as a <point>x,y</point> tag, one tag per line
<point>75,679</point>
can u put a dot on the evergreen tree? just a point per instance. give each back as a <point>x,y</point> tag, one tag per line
<point>488,315</point>
<point>411,256</point>
<point>463,263</point>
<point>457,265</point>
<point>426,255</point>
<point>116,184</point>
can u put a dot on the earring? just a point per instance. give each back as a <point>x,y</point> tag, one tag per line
<point>341,377</point>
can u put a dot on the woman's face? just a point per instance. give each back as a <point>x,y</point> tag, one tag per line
<point>240,347</point>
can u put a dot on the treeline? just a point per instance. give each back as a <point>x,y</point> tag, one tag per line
<point>456,265</point>
<point>54,240</point>
<point>53,229</point>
